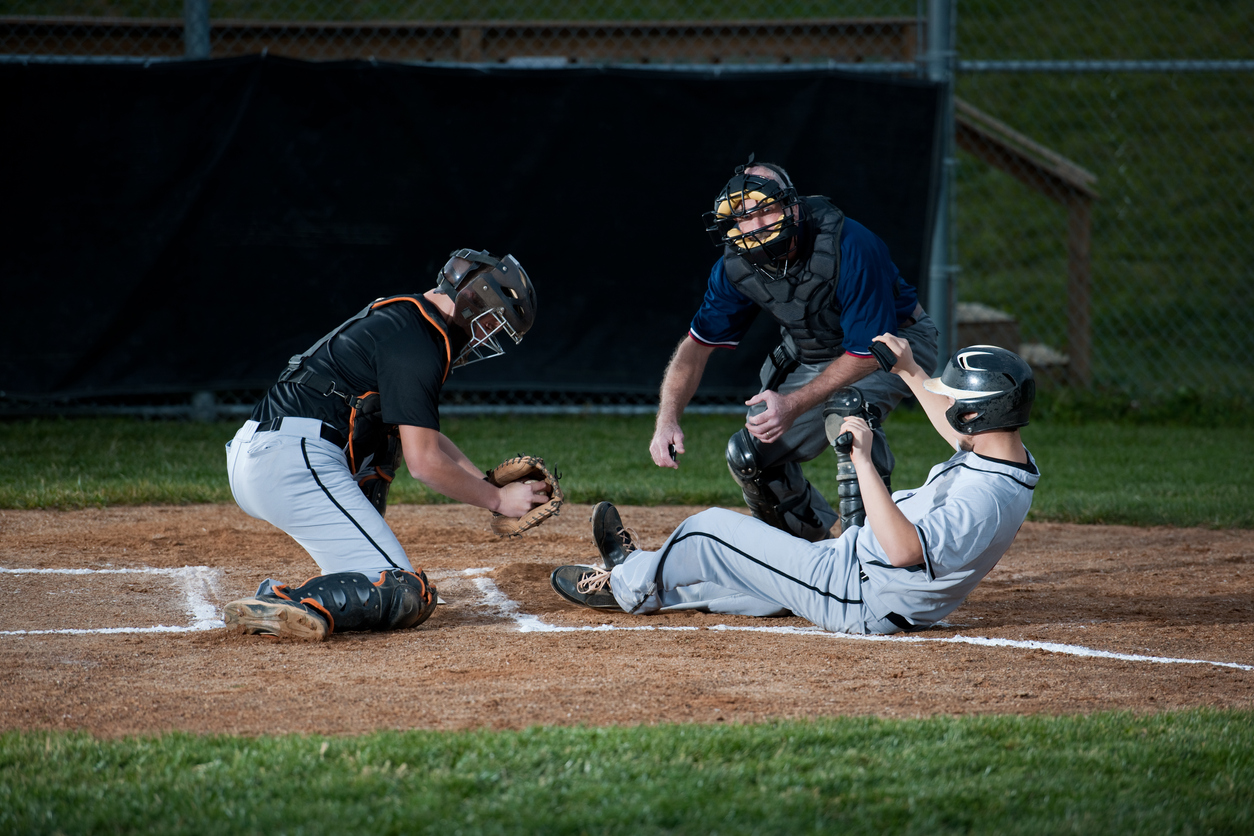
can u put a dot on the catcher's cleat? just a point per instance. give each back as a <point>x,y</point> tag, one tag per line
<point>272,616</point>
<point>586,586</point>
<point>614,542</point>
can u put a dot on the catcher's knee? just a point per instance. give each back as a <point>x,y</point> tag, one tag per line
<point>843,404</point>
<point>412,599</point>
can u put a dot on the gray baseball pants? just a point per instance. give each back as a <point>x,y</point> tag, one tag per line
<point>297,481</point>
<point>726,562</point>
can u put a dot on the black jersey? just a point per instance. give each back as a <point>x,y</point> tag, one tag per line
<point>400,351</point>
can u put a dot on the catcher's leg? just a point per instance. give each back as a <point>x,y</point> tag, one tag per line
<point>844,403</point>
<point>343,602</point>
<point>376,473</point>
<point>300,483</point>
<point>779,494</point>
<point>398,600</point>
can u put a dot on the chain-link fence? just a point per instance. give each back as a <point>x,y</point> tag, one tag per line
<point>1098,212</point>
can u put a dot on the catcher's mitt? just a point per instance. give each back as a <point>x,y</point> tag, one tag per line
<point>525,469</point>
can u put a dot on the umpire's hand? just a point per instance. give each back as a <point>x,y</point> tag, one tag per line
<point>778,417</point>
<point>667,444</point>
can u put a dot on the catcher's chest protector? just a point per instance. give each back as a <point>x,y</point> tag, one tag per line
<point>368,436</point>
<point>804,302</point>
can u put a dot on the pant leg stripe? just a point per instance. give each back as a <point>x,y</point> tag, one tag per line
<point>343,511</point>
<point>657,579</point>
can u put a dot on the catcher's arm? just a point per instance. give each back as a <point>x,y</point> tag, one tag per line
<point>436,461</point>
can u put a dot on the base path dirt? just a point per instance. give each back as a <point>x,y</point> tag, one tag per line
<point>110,623</point>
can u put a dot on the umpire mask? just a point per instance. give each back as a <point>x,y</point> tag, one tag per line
<point>491,296</point>
<point>756,216</point>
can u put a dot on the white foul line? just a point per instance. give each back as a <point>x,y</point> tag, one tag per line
<point>197,583</point>
<point>496,600</point>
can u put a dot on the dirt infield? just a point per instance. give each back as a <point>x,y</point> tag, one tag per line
<point>1074,619</point>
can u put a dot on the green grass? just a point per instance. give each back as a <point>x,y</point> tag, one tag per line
<point>1186,772</point>
<point>1171,231</point>
<point>1106,471</point>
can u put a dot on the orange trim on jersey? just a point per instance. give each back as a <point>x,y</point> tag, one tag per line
<point>325,614</point>
<point>352,419</point>
<point>441,327</point>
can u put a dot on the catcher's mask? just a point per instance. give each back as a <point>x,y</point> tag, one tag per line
<point>491,295</point>
<point>992,388</point>
<point>756,215</point>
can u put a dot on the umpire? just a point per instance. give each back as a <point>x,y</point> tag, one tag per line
<point>831,285</point>
<point>321,447</point>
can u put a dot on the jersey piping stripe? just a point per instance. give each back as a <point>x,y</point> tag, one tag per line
<point>696,338</point>
<point>343,511</point>
<point>657,579</point>
<point>981,470</point>
<point>448,348</point>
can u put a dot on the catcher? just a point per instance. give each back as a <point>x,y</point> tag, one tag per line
<point>318,455</point>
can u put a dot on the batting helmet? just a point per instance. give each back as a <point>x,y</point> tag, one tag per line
<point>754,214</point>
<point>992,388</point>
<point>491,295</point>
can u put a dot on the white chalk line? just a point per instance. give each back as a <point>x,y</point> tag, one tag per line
<point>198,584</point>
<point>496,600</point>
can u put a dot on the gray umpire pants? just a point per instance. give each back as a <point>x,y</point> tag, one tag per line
<point>725,562</point>
<point>806,439</point>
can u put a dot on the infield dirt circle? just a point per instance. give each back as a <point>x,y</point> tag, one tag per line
<point>1074,619</point>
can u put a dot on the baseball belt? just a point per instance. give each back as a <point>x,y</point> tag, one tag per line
<point>328,432</point>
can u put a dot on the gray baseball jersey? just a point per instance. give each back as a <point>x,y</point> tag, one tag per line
<point>967,514</point>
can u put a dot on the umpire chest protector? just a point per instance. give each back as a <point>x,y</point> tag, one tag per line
<point>802,300</point>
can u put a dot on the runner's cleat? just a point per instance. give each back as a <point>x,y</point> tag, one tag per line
<point>614,542</point>
<point>587,586</point>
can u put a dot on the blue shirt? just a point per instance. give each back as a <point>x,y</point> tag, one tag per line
<point>864,291</point>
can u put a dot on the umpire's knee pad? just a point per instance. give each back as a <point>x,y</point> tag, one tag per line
<point>742,458</point>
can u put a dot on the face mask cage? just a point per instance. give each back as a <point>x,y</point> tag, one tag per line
<point>750,196</point>
<point>484,344</point>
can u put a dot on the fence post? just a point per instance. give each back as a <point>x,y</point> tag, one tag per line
<point>940,64</point>
<point>1079,292</point>
<point>195,29</point>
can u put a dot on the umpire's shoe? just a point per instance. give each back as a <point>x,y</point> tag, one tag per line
<point>614,542</point>
<point>586,586</point>
<point>271,615</point>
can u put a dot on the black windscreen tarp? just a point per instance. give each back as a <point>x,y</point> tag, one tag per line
<point>187,226</point>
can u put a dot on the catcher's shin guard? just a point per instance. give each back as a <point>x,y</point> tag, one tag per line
<point>844,403</point>
<point>778,495</point>
<point>397,601</point>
